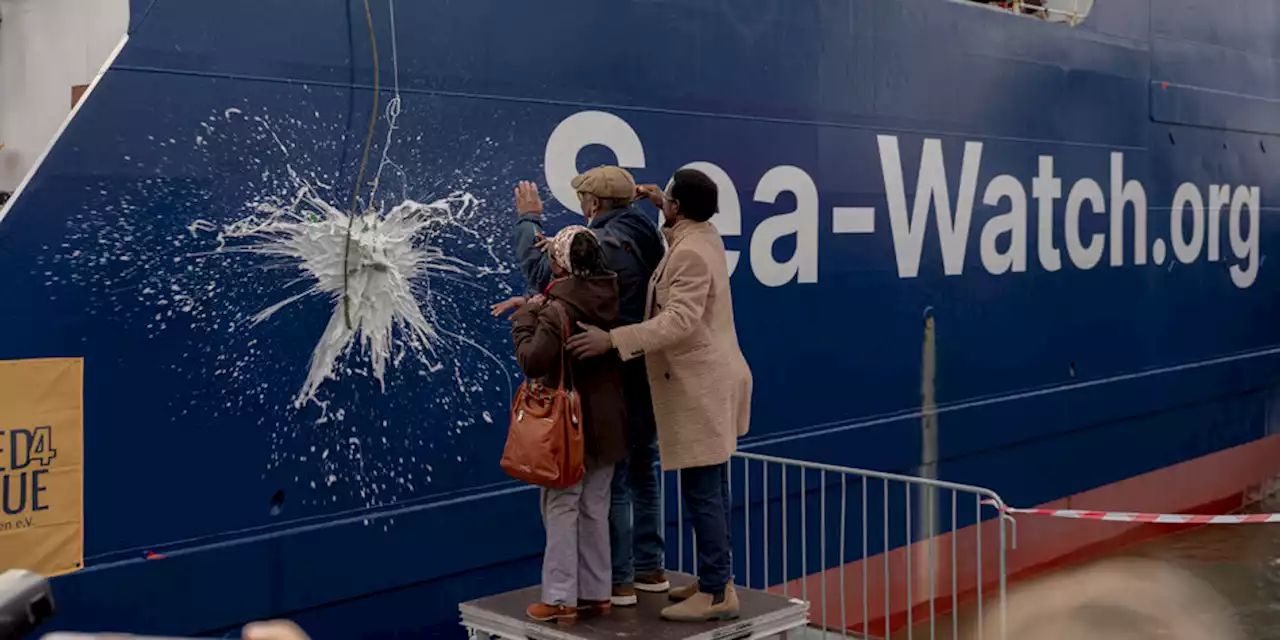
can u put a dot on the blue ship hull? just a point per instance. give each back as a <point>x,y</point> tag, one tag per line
<point>1113,348</point>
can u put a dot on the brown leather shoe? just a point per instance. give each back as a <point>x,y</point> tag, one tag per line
<point>702,608</point>
<point>624,595</point>
<point>589,608</point>
<point>653,581</point>
<point>543,612</point>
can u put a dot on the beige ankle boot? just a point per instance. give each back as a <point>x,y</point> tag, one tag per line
<point>700,607</point>
<point>680,594</point>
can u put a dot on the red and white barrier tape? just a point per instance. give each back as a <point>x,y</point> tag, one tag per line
<point>1152,518</point>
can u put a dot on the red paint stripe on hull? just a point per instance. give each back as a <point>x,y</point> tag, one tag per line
<point>1219,482</point>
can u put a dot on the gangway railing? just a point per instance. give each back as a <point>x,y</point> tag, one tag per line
<point>874,554</point>
<point>1072,12</point>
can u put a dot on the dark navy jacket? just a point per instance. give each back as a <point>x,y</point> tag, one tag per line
<point>632,246</point>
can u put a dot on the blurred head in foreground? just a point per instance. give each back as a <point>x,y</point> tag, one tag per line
<point>1119,600</point>
<point>274,630</point>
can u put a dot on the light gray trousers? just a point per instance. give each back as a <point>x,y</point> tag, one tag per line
<point>577,564</point>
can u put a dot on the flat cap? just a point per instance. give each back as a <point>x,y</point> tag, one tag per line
<point>606,182</point>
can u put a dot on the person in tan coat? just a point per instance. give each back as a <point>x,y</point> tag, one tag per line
<point>701,383</point>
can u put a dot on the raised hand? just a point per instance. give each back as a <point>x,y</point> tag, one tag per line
<point>652,193</point>
<point>527,200</point>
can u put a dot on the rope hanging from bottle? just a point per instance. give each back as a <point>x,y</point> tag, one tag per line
<point>364,164</point>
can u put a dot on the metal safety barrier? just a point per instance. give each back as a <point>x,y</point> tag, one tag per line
<point>874,554</point>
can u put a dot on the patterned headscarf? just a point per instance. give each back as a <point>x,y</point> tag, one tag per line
<point>561,243</point>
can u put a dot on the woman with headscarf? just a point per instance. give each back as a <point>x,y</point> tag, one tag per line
<point>576,565</point>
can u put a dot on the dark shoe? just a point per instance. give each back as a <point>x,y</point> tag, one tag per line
<point>653,581</point>
<point>624,596</point>
<point>551,612</point>
<point>589,608</point>
<point>703,608</point>
<point>680,594</point>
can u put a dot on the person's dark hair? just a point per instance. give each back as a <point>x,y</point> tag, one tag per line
<point>587,257</point>
<point>696,193</point>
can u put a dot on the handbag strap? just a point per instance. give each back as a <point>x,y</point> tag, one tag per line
<point>564,341</point>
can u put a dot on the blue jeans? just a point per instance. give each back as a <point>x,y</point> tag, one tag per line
<point>706,495</point>
<point>635,518</point>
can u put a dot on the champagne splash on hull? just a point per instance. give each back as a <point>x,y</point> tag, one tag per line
<point>391,260</point>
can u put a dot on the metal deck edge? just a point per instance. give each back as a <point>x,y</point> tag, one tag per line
<point>508,628</point>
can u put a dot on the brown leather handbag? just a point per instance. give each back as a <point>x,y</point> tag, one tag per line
<point>544,443</point>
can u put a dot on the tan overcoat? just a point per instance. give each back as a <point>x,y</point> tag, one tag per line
<point>701,382</point>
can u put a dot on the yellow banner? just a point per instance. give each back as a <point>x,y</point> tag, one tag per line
<point>41,465</point>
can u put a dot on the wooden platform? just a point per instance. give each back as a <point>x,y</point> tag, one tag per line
<point>503,616</point>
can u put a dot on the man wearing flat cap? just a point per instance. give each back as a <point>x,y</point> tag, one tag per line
<point>633,248</point>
